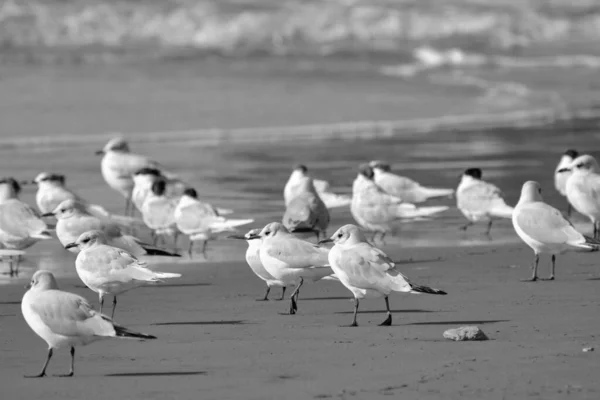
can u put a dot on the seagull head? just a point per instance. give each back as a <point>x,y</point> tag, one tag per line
<point>571,153</point>
<point>474,173</point>
<point>42,280</point>
<point>66,209</point>
<point>366,171</point>
<point>9,188</point>
<point>117,144</point>
<point>50,178</point>
<point>159,186</point>
<point>380,165</point>
<point>273,229</point>
<point>87,240</point>
<point>190,192</point>
<point>346,235</point>
<point>252,234</point>
<point>585,163</point>
<point>301,168</point>
<point>531,192</point>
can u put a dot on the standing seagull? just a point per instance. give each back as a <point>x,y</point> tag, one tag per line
<point>479,200</point>
<point>403,187</point>
<point>544,229</point>
<point>201,221</point>
<point>66,319</point>
<point>376,210</point>
<point>562,174</point>
<point>142,186</point>
<point>110,270</point>
<point>306,212</point>
<point>583,188</point>
<point>293,187</point>
<point>367,271</point>
<point>20,225</point>
<point>118,166</point>
<point>74,220</point>
<point>291,260</point>
<point>253,259</point>
<point>158,211</point>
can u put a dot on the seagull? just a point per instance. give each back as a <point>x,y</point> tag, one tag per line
<point>583,188</point>
<point>479,200</point>
<point>66,319</point>
<point>52,191</point>
<point>118,166</point>
<point>294,186</point>
<point>201,221</point>
<point>142,185</point>
<point>403,187</point>
<point>291,260</point>
<point>544,229</point>
<point>74,220</point>
<point>375,210</point>
<point>20,225</point>
<point>253,259</point>
<point>306,212</point>
<point>158,211</point>
<point>562,173</point>
<point>367,271</point>
<point>110,270</point>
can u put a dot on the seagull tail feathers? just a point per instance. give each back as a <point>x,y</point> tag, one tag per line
<point>425,289</point>
<point>153,251</point>
<point>502,211</point>
<point>44,235</point>
<point>403,212</point>
<point>123,332</point>
<point>161,275</point>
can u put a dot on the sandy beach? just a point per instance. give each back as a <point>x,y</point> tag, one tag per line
<point>216,342</point>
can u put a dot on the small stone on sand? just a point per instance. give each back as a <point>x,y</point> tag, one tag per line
<point>588,349</point>
<point>465,333</point>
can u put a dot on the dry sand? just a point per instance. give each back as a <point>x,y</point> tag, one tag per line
<point>216,342</point>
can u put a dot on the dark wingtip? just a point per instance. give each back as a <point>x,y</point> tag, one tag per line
<point>428,290</point>
<point>158,252</point>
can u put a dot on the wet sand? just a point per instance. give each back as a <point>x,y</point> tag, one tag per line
<point>216,342</point>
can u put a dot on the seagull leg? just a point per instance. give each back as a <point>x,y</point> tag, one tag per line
<point>10,265</point>
<point>382,238</point>
<point>354,323</point>
<point>191,248</point>
<point>43,372</point>
<point>282,293</point>
<point>489,228</point>
<point>551,277</point>
<point>154,238</point>
<point>112,316</point>
<point>101,300</point>
<point>72,370</point>
<point>266,298</point>
<point>465,227</point>
<point>294,298</point>
<point>569,209</point>
<point>204,248</point>
<point>388,320</point>
<point>536,261</point>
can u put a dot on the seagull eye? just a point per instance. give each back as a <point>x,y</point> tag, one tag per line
<point>579,165</point>
<point>85,240</point>
<point>340,235</point>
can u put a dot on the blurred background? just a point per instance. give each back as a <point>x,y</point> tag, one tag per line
<point>432,86</point>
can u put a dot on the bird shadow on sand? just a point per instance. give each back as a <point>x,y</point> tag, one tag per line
<point>325,298</point>
<point>411,261</point>
<point>475,322</point>
<point>383,311</point>
<point>233,322</point>
<point>9,302</point>
<point>151,374</point>
<point>167,285</point>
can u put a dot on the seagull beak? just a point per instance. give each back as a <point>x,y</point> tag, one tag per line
<point>236,237</point>
<point>563,170</point>
<point>48,214</point>
<point>71,245</point>
<point>99,152</point>
<point>252,237</point>
<point>329,240</point>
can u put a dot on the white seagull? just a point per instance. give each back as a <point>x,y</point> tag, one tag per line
<point>20,225</point>
<point>479,200</point>
<point>158,211</point>
<point>291,260</point>
<point>294,186</point>
<point>367,271</point>
<point>377,211</point>
<point>73,220</point>
<point>405,188</point>
<point>109,270</point>
<point>544,229</point>
<point>64,319</point>
<point>306,212</point>
<point>142,186</point>
<point>583,188</point>
<point>201,221</point>
<point>562,174</point>
<point>253,259</point>
<point>118,166</point>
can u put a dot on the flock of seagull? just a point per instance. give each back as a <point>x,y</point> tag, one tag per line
<point>107,254</point>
